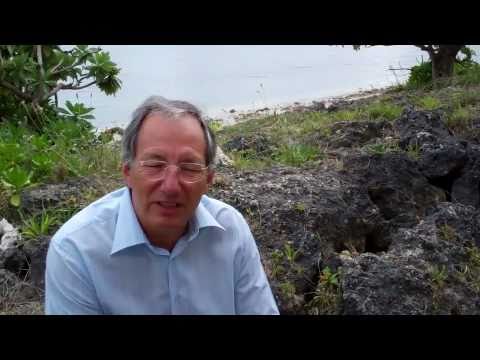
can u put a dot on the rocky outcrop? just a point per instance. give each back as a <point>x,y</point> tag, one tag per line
<point>394,232</point>
<point>351,134</point>
<point>34,200</point>
<point>399,230</point>
<point>432,268</point>
<point>259,144</point>
<point>9,235</point>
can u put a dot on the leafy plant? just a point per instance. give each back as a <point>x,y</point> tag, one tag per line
<point>215,125</point>
<point>287,289</point>
<point>247,159</point>
<point>326,296</point>
<point>42,163</point>
<point>413,151</point>
<point>329,278</point>
<point>76,112</point>
<point>420,75</point>
<point>379,110</point>
<point>32,74</point>
<point>459,118</point>
<point>38,225</point>
<point>438,275</point>
<point>300,207</point>
<point>296,155</point>
<point>381,148</point>
<point>276,259</point>
<point>290,253</point>
<point>15,179</point>
<point>447,232</point>
<point>429,103</point>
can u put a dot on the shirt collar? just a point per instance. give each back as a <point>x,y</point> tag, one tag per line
<point>204,218</point>
<point>128,231</point>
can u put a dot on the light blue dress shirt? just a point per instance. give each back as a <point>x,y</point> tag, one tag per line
<point>100,262</point>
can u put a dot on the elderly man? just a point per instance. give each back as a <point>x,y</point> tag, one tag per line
<point>159,245</point>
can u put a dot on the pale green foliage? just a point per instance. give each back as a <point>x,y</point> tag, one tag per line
<point>428,103</point>
<point>38,225</point>
<point>327,294</point>
<point>297,154</point>
<point>447,232</point>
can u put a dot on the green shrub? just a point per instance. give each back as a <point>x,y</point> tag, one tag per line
<point>380,110</point>
<point>296,155</point>
<point>428,103</point>
<point>420,75</point>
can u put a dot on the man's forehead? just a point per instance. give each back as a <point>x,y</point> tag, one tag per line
<point>162,116</point>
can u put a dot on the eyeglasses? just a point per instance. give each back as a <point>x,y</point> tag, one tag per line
<point>187,172</point>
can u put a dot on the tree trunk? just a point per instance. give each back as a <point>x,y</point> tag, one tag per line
<point>443,60</point>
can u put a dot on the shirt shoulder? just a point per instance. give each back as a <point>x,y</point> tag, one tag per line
<point>99,213</point>
<point>233,222</point>
<point>220,210</point>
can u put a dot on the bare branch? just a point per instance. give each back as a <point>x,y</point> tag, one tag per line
<point>13,89</point>
<point>55,89</point>
<point>71,87</point>
<point>41,88</point>
<point>56,66</point>
<point>40,60</point>
<point>65,69</point>
<point>83,78</point>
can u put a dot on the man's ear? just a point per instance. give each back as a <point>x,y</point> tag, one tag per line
<point>126,173</point>
<point>210,177</point>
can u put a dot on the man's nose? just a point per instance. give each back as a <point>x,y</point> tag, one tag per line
<point>170,181</point>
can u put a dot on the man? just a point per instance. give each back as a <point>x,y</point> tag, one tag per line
<point>159,245</point>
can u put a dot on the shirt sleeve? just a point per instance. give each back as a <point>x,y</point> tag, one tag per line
<point>253,295</point>
<point>68,289</point>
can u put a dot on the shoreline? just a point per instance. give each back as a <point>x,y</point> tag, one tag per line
<point>234,116</point>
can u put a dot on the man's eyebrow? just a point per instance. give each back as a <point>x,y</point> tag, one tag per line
<point>152,155</point>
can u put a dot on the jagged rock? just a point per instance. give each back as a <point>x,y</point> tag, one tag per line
<point>14,291</point>
<point>442,159</point>
<point>221,159</point>
<point>14,260</point>
<point>382,285</point>
<point>317,106</point>
<point>419,127</point>
<point>466,188</point>
<point>383,224</point>
<point>313,214</point>
<point>36,252</point>
<point>440,153</point>
<point>395,184</point>
<point>427,270</point>
<point>36,199</point>
<point>357,133</point>
<point>9,236</point>
<point>257,143</point>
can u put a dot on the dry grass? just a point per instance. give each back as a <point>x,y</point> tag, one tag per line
<point>19,297</point>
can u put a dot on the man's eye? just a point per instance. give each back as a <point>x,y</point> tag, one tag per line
<point>192,167</point>
<point>154,164</point>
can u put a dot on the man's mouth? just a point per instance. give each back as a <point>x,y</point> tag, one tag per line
<point>168,204</point>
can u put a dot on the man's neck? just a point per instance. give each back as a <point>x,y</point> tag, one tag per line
<point>166,240</point>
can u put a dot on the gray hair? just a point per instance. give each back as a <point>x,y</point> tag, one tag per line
<point>172,109</point>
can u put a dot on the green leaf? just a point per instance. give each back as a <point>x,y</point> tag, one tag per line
<point>62,111</point>
<point>15,200</point>
<point>17,178</point>
<point>70,106</point>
